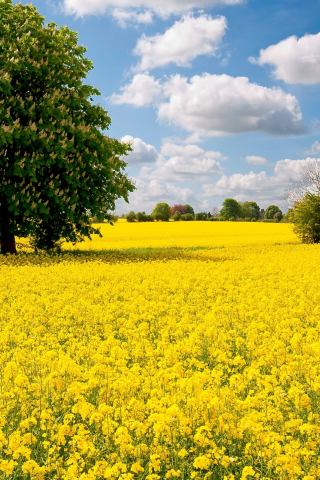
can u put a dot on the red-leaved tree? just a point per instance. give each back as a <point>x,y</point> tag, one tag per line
<point>178,208</point>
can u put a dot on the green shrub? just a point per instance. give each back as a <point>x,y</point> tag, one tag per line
<point>200,217</point>
<point>176,216</point>
<point>131,217</point>
<point>187,217</point>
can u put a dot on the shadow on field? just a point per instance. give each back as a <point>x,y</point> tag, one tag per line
<point>131,255</point>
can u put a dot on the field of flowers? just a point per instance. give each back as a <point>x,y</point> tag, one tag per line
<point>185,234</point>
<point>194,362</point>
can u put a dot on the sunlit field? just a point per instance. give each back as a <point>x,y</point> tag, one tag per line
<point>187,234</point>
<point>144,362</point>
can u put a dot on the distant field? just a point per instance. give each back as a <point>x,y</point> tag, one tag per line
<point>138,361</point>
<point>188,234</point>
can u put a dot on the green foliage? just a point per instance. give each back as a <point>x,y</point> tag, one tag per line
<point>306,219</point>
<point>187,217</point>
<point>162,211</point>
<point>189,209</point>
<point>231,209</point>
<point>143,217</point>
<point>271,211</point>
<point>278,216</point>
<point>176,216</point>
<point>250,210</point>
<point>56,164</point>
<point>213,219</point>
<point>200,216</point>
<point>131,217</point>
<point>287,218</point>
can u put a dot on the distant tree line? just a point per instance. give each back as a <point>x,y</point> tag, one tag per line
<point>232,210</point>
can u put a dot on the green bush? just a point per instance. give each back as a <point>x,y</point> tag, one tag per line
<point>200,217</point>
<point>187,217</point>
<point>176,216</point>
<point>213,219</point>
<point>131,217</point>
<point>306,219</point>
<point>162,211</point>
<point>271,211</point>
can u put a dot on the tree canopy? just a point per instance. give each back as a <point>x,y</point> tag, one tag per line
<point>57,166</point>
<point>306,218</point>
<point>189,209</point>
<point>162,211</point>
<point>250,210</point>
<point>271,211</point>
<point>230,209</point>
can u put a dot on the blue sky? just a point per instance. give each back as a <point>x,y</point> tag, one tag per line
<point>219,99</point>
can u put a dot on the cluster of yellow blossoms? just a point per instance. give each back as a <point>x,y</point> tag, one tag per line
<point>187,363</point>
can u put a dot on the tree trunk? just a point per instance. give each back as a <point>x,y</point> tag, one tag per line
<point>8,244</point>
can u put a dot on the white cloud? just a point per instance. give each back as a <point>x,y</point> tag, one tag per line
<point>189,151</point>
<point>255,160</point>
<point>225,61</point>
<point>185,163</point>
<point>180,169</point>
<point>295,60</point>
<point>125,17</point>
<point>160,7</point>
<point>315,149</point>
<point>142,153</point>
<point>257,185</point>
<point>141,92</point>
<point>180,44</point>
<point>216,105</point>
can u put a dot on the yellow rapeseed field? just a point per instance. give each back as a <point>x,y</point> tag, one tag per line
<point>151,364</point>
<point>186,234</point>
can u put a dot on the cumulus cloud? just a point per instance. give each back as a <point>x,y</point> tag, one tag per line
<point>216,105</point>
<point>141,92</point>
<point>162,8</point>
<point>257,185</point>
<point>315,149</point>
<point>189,151</point>
<point>125,17</point>
<point>184,163</point>
<point>255,160</point>
<point>142,153</point>
<point>180,169</point>
<point>180,44</point>
<point>294,60</point>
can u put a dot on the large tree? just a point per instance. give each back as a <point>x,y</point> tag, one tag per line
<point>57,166</point>
<point>250,210</point>
<point>230,209</point>
<point>271,211</point>
<point>306,218</point>
<point>162,211</point>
